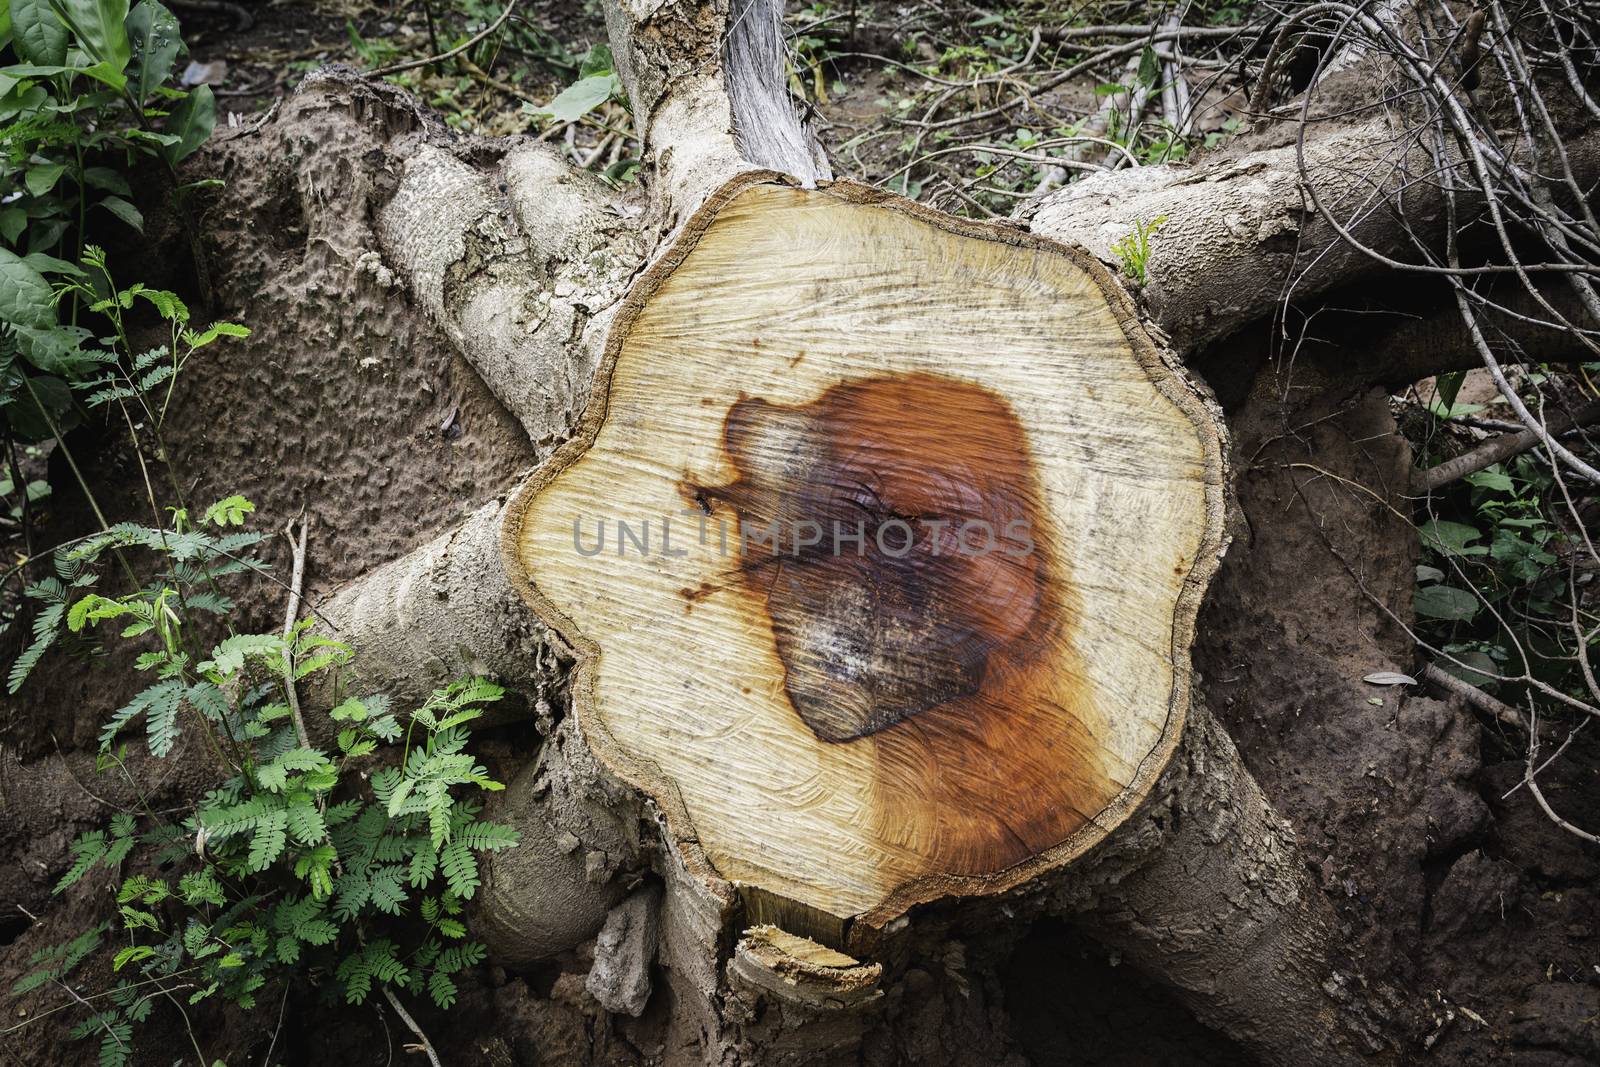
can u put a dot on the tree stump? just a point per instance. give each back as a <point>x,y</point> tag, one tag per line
<point>879,549</point>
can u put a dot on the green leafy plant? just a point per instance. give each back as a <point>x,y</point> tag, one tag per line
<point>596,84</point>
<point>338,854</point>
<point>1133,251</point>
<point>138,387</point>
<point>1497,589</point>
<point>345,864</point>
<point>1491,544</point>
<point>88,95</point>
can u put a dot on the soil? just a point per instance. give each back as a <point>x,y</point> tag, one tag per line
<point>1442,885</point>
<point>348,405</point>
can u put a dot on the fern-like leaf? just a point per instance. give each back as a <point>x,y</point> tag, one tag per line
<point>46,628</point>
<point>161,722</point>
<point>87,850</point>
<point>460,869</point>
<point>116,1047</point>
<point>459,957</point>
<point>388,895</point>
<point>162,695</point>
<point>269,840</point>
<point>305,821</point>
<point>354,890</point>
<point>424,865</point>
<point>489,836</point>
<point>442,990</point>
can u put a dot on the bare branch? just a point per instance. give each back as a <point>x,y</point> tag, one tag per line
<point>1499,449</point>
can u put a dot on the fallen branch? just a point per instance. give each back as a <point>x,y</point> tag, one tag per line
<point>1261,99</point>
<point>1066,33</point>
<point>1504,713</point>
<point>396,68</point>
<point>1531,780</point>
<point>1091,132</point>
<point>1499,449</point>
<point>1174,90</point>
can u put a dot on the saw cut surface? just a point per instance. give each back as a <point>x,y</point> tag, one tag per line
<point>880,549</point>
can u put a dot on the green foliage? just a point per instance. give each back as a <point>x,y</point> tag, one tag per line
<point>346,866</point>
<point>1133,251</point>
<point>86,94</point>
<point>55,962</point>
<point>492,85</point>
<point>1493,584</point>
<point>597,83</point>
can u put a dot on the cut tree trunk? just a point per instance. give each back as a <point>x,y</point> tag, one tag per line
<point>882,558</point>
<point>984,704</point>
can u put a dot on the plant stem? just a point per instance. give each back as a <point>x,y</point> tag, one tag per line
<point>295,581</point>
<point>411,1024</point>
<point>73,993</point>
<point>21,486</point>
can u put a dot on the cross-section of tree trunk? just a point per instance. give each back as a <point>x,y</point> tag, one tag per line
<point>880,547</point>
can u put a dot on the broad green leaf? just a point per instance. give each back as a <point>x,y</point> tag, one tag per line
<point>13,220</point>
<point>43,263</point>
<point>21,100</point>
<point>108,179</point>
<point>27,417</point>
<point>38,70</point>
<point>1448,385</point>
<point>155,43</point>
<point>100,28</point>
<point>24,294</point>
<point>56,350</point>
<point>5,24</point>
<point>161,140</point>
<point>43,177</point>
<point>37,32</point>
<point>580,98</point>
<point>1491,479</point>
<point>124,211</point>
<point>1475,668</point>
<point>45,235</point>
<point>1149,67</point>
<point>1453,538</point>
<point>598,60</point>
<point>107,73</point>
<point>191,121</point>
<point>1450,411</point>
<point>1446,602</point>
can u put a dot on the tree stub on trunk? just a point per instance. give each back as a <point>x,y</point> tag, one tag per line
<point>880,547</point>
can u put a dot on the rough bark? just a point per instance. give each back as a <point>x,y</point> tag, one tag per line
<point>444,611</point>
<point>1241,237</point>
<point>522,261</point>
<point>707,86</point>
<point>522,284</point>
<point>1209,890</point>
<point>580,833</point>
